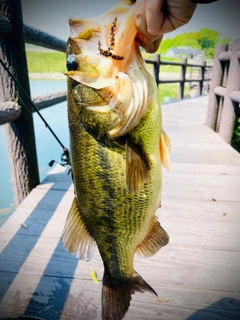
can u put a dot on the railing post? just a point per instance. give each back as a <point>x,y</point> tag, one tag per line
<point>217,79</point>
<point>208,75</point>
<point>228,118</point>
<point>202,75</point>
<point>19,133</point>
<point>156,67</point>
<point>190,83</point>
<point>183,78</point>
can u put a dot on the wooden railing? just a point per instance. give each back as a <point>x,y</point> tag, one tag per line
<point>14,114</point>
<point>224,96</point>
<point>10,112</point>
<point>202,77</point>
<point>15,110</point>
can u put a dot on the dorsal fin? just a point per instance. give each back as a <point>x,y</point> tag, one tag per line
<point>156,238</point>
<point>137,166</point>
<point>76,238</point>
<point>165,146</point>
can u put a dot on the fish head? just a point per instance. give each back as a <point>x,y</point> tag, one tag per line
<point>110,35</point>
<point>102,54</point>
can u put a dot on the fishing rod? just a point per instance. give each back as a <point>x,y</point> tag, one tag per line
<point>65,155</point>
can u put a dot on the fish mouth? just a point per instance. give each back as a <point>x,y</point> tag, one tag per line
<point>93,80</point>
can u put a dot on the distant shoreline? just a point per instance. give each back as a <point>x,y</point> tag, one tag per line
<point>53,75</point>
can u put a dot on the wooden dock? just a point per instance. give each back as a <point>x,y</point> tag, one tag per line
<point>196,276</point>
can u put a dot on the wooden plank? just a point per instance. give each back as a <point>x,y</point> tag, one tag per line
<point>41,210</point>
<point>38,201</point>
<point>197,156</point>
<point>204,234</point>
<point>208,180</point>
<point>202,193</point>
<point>55,298</point>
<point>186,266</point>
<point>199,209</point>
<point>58,179</point>
<point>57,185</point>
<point>221,169</point>
<point>198,270</point>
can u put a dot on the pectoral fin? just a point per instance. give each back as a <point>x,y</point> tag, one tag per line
<point>137,166</point>
<point>76,238</point>
<point>93,80</point>
<point>165,146</point>
<point>156,238</point>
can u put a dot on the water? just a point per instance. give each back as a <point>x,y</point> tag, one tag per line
<point>47,147</point>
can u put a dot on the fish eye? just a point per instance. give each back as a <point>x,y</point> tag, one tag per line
<point>72,63</point>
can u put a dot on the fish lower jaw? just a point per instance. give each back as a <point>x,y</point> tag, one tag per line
<point>101,109</point>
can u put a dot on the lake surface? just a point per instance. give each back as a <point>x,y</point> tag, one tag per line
<point>47,147</point>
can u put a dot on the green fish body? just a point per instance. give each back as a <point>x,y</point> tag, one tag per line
<point>117,148</point>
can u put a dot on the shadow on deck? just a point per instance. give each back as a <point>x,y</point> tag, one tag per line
<point>197,276</point>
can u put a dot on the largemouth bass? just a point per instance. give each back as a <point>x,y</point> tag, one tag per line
<point>117,149</point>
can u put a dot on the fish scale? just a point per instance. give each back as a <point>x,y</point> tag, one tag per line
<point>109,171</point>
<point>117,149</point>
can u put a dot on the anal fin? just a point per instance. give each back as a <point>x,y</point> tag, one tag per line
<point>76,238</point>
<point>137,166</point>
<point>156,238</point>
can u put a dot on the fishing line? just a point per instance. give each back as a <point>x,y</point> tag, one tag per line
<point>65,154</point>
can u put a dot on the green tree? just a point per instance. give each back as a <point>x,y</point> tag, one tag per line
<point>226,40</point>
<point>205,39</point>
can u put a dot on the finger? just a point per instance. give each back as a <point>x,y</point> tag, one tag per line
<point>150,47</point>
<point>140,18</point>
<point>145,39</point>
<point>141,23</point>
<point>176,14</point>
<point>154,17</point>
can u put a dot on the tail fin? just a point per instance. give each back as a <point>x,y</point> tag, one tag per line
<point>116,295</point>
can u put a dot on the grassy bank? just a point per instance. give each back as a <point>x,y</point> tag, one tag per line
<point>46,62</point>
<point>55,62</point>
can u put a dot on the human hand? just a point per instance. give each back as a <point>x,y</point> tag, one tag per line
<point>154,18</point>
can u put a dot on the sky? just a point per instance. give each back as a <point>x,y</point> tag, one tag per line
<point>52,16</point>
